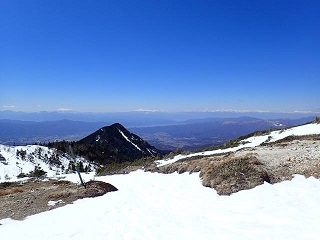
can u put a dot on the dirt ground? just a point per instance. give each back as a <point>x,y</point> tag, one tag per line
<point>19,200</point>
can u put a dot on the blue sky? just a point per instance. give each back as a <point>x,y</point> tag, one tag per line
<point>116,55</point>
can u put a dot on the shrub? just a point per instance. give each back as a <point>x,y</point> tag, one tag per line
<point>37,172</point>
<point>234,174</point>
<point>22,175</point>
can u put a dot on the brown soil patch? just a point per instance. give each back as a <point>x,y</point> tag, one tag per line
<point>19,200</point>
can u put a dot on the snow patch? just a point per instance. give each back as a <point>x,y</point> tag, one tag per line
<point>151,152</point>
<point>312,128</point>
<point>53,203</point>
<point>135,145</point>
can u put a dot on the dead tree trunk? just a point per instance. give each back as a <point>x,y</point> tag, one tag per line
<point>76,166</point>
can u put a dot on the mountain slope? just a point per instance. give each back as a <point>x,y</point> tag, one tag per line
<point>271,157</point>
<point>24,159</point>
<point>118,139</point>
<point>110,144</point>
<point>250,142</point>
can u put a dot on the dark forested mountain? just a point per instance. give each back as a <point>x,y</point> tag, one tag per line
<point>117,138</point>
<point>110,144</point>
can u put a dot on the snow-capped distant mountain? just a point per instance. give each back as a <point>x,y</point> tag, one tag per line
<point>21,160</point>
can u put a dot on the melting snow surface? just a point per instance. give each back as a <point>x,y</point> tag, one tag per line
<point>172,206</point>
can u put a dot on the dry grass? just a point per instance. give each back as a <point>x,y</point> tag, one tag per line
<point>226,173</point>
<point>9,191</point>
<point>231,174</point>
<point>61,193</point>
<point>247,168</point>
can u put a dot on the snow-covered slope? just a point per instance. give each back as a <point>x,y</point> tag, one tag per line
<point>23,159</point>
<point>312,128</point>
<point>158,206</point>
<point>177,206</point>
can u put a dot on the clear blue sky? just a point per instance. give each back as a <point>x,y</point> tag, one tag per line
<point>116,55</point>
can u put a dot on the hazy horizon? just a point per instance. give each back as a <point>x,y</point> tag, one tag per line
<point>153,118</point>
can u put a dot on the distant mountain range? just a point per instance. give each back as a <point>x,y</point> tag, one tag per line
<point>199,133</point>
<point>15,132</point>
<point>185,134</point>
<point>143,118</point>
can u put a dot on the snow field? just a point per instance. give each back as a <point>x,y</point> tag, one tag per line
<point>158,206</point>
